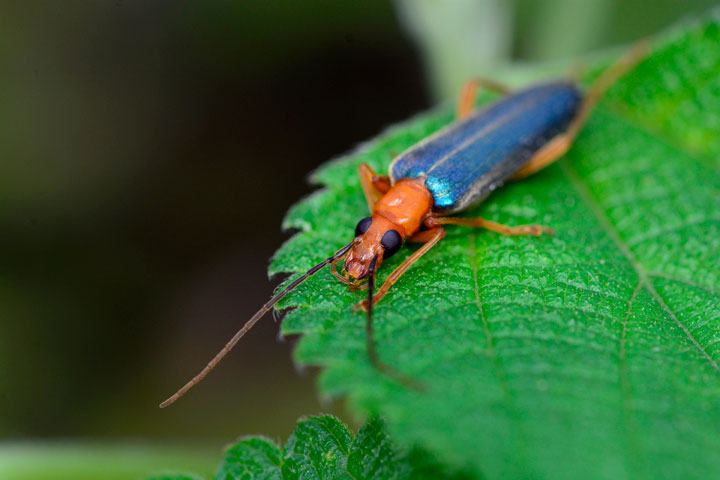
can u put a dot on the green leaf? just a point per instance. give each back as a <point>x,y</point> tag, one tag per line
<point>62,460</point>
<point>589,354</point>
<point>322,448</point>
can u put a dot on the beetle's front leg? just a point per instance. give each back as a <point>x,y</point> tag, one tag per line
<point>466,101</point>
<point>429,238</point>
<point>374,186</point>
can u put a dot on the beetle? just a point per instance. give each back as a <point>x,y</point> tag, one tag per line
<point>450,171</point>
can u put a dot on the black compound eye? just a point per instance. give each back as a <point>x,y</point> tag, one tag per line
<point>391,242</point>
<point>363,226</point>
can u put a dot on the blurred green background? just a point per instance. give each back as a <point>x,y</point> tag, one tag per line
<point>149,152</point>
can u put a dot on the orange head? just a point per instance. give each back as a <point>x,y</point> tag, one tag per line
<point>375,236</point>
<point>396,215</point>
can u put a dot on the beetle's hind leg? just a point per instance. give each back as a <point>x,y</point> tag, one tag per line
<point>479,222</point>
<point>468,94</point>
<point>559,145</point>
<point>374,186</point>
<point>551,151</point>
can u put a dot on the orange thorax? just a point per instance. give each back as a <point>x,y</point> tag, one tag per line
<point>406,205</point>
<point>403,209</point>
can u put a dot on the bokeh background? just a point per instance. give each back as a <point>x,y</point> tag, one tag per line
<point>148,152</point>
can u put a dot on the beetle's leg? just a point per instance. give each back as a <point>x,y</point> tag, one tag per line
<point>551,151</point>
<point>479,222</point>
<point>557,147</point>
<point>468,94</point>
<point>335,274</point>
<point>373,185</point>
<point>429,238</point>
<point>627,62</point>
<point>351,285</point>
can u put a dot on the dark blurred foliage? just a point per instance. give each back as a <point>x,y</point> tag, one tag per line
<point>149,152</point>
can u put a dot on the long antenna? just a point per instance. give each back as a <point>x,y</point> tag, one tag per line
<point>249,324</point>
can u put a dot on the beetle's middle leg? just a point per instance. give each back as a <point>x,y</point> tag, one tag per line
<point>374,186</point>
<point>468,94</point>
<point>479,222</point>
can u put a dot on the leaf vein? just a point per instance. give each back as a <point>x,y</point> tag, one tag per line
<point>500,373</point>
<point>627,403</point>
<point>683,280</point>
<point>605,224</point>
<point>671,229</point>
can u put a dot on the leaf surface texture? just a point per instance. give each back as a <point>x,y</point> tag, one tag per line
<point>593,353</point>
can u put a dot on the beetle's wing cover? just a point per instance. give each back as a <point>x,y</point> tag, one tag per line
<point>465,161</point>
